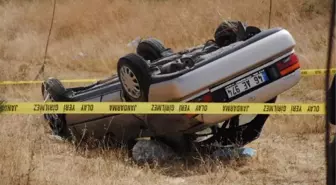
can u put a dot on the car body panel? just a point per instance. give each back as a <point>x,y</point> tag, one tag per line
<point>223,69</point>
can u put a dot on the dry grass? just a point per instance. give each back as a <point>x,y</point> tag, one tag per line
<point>87,39</point>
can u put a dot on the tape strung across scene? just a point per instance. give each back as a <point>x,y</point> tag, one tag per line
<point>162,108</point>
<point>314,72</point>
<point>307,72</point>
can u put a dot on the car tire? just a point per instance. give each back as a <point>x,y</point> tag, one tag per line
<point>56,121</point>
<point>150,49</point>
<point>251,31</point>
<point>133,72</point>
<point>229,32</point>
<point>54,87</point>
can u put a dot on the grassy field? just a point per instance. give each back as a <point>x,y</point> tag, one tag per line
<point>87,39</point>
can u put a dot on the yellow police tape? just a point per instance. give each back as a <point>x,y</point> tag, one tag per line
<point>162,108</point>
<point>313,72</point>
<point>307,72</point>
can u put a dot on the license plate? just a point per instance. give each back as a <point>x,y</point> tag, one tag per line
<point>246,84</point>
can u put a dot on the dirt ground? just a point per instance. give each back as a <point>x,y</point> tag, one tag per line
<point>87,39</point>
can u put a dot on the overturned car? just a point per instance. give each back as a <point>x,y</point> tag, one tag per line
<point>241,64</point>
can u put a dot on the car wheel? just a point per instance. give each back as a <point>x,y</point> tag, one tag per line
<point>229,32</point>
<point>150,49</point>
<point>252,31</point>
<point>133,72</point>
<point>57,124</point>
<point>55,89</point>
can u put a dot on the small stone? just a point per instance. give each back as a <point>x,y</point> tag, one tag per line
<point>150,151</point>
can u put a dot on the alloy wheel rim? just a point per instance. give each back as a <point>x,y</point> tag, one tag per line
<point>130,82</point>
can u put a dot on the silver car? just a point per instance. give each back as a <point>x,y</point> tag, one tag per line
<point>250,66</point>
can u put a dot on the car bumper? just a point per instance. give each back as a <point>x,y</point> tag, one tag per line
<point>263,94</point>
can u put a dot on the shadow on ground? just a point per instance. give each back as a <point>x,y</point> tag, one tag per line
<point>184,165</point>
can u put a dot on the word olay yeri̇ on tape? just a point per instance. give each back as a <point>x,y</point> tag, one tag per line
<point>161,108</point>
<point>308,72</point>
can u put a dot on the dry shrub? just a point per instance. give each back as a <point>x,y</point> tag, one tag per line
<point>92,36</point>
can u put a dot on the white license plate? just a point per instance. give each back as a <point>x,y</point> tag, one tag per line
<point>246,83</point>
